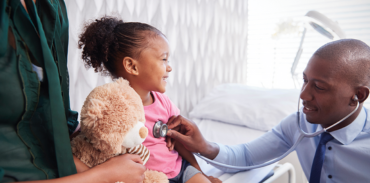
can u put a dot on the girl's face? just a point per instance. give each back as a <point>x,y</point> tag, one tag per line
<point>153,65</point>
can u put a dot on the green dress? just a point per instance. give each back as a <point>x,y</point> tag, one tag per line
<point>35,116</point>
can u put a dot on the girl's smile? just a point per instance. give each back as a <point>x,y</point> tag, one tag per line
<point>153,65</point>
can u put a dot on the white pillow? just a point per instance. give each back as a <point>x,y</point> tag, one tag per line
<point>253,107</point>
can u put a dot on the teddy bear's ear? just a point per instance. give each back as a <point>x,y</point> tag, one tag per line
<point>96,125</point>
<point>92,111</point>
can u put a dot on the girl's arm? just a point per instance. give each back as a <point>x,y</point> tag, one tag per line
<point>187,155</point>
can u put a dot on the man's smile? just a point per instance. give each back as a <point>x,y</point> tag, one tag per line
<point>309,109</point>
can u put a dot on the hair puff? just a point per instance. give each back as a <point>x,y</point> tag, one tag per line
<point>97,41</point>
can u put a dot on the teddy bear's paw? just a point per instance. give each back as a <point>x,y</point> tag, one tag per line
<point>152,176</point>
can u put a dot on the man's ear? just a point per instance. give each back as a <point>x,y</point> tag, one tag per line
<point>362,93</point>
<point>130,66</point>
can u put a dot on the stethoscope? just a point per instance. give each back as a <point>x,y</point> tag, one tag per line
<point>160,130</point>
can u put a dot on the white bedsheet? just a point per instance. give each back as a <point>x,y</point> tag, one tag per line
<point>226,133</point>
<point>229,134</point>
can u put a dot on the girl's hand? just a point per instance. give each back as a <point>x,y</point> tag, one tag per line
<point>213,179</point>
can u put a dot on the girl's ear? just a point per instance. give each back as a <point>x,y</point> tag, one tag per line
<point>130,66</point>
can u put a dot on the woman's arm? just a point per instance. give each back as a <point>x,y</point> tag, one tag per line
<point>80,166</point>
<point>127,168</point>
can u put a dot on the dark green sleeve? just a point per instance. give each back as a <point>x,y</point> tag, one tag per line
<point>1,174</point>
<point>3,28</point>
<point>62,49</point>
<point>72,121</point>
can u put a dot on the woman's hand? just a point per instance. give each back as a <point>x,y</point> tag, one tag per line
<point>187,133</point>
<point>124,168</point>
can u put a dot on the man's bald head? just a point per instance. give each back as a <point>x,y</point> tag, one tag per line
<point>350,59</point>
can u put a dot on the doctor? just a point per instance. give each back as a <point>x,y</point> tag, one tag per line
<point>336,78</point>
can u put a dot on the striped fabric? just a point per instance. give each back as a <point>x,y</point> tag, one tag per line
<point>140,150</point>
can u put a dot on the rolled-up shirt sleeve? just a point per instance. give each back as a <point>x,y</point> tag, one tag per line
<point>72,121</point>
<point>1,174</point>
<point>271,145</point>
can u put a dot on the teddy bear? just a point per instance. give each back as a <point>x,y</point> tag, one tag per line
<point>112,123</point>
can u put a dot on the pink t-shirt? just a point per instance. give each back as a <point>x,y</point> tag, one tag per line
<point>161,159</point>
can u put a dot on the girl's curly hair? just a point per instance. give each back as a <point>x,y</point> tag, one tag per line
<point>106,41</point>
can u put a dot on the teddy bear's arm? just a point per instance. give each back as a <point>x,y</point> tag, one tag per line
<point>140,150</point>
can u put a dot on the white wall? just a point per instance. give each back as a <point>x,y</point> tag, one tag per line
<point>208,40</point>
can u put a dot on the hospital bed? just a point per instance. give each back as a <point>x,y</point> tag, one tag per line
<point>233,134</point>
<point>233,114</point>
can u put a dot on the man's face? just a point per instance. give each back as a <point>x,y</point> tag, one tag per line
<point>325,93</point>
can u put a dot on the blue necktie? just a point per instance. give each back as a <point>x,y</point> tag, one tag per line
<point>318,160</point>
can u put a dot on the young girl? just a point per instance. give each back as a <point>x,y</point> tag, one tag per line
<point>139,53</point>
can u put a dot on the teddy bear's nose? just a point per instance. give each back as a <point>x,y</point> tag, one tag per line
<point>143,132</point>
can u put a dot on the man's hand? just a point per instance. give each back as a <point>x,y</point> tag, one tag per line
<point>187,133</point>
<point>170,141</point>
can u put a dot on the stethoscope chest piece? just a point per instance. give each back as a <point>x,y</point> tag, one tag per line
<point>159,129</point>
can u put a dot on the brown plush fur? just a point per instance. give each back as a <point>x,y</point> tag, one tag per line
<point>155,177</point>
<point>109,112</point>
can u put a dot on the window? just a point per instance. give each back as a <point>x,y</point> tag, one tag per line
<point>270,57</point>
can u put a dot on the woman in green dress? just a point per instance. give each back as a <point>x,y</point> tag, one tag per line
<point>35,115</point>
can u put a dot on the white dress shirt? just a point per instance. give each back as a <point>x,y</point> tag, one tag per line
<point>347,156</point>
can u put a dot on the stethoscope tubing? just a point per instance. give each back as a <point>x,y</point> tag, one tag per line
<point>301,136</point>
<point>253,166</point>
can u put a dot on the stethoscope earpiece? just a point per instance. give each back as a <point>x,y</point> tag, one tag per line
<point>355,98</point>
<point>159,129</point>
